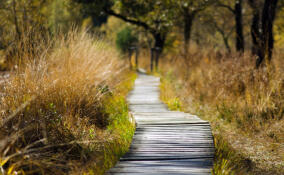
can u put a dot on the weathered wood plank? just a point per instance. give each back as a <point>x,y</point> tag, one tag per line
<point>165,142</point>
<point>166,169</point>
<point>205,145</point>
<point>157,173</point>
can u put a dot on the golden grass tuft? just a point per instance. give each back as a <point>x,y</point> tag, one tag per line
<point>54,115</point>
<point>245,106</point>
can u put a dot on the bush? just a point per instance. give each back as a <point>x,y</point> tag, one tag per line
<point>125,39</point>
<point>244,105</point>
<point>53,115</point>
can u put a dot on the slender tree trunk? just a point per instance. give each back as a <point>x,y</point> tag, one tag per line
<point>158,47</point>
<point>129,58</point>
<point>256,34</point>
<point>136,57</point>
<point>226,42</point>
<point>268,16</point>
<point>157,57</point>
<point>159,40</point>
<point>152,59</point>
<point>262,30</point>
<point>16,19</point>
<point>240,44</point>
<point>224,37</point>
<point>188,22</point>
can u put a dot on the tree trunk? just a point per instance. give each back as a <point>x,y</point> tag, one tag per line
<point>226,42</point>
<point>152,59</point>
<point>262,31</point>
<point>16,20</point>
<point>136,57</point>
<point>256,34</point>
<point>268,16</point>
<point>129,58</point>
<point>239,26</point>
<point>188,21</point>
<point>159,40</point>
<point>158,48</point>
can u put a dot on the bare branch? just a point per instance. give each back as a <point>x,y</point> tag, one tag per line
<point>227,7</point>
<point>132,21</point>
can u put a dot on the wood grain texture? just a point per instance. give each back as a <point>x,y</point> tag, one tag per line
<point>165,142</point>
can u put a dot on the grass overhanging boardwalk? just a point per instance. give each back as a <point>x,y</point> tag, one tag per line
<point>165,142</point>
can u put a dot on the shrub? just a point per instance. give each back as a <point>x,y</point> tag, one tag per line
<point>125,39</point>
<point>53,116</point>
<point>244,105</point>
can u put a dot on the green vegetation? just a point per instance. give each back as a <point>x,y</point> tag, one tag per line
<point>122,128</point>
<point>125,39</point>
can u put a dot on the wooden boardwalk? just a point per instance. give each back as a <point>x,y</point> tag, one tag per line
<point>165,142</point>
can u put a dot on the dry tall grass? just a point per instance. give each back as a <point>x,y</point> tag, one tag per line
<point>53,117</point>
<point>245,105</point>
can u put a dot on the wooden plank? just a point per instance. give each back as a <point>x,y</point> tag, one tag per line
<point>168,127</point>
<point>165,146</point>
<point>156,173</point>
<point>162,149</point>
<point>205,145</point>
<point>196,162</point>
<point>165,142</point>
<point>159,135</point>
<point>179,137</point>
<point>160,169</point>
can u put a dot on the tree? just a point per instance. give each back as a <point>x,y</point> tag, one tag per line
<point>188,9</point>
<point>18,16</point>
<point>61,15</point>
<point>221,22</point>
<point>237,11</point>
<point>262,29</point>
<point>153,16</point>
<point>22,16</point>
<point>240,44</point>
<point>125,41</point>
<point>150,15</point>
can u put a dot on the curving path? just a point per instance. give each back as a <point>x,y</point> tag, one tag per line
<point>165,142</point>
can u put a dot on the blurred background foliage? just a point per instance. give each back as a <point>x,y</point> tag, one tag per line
<point>170,25</point>
<point>125,39</point>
